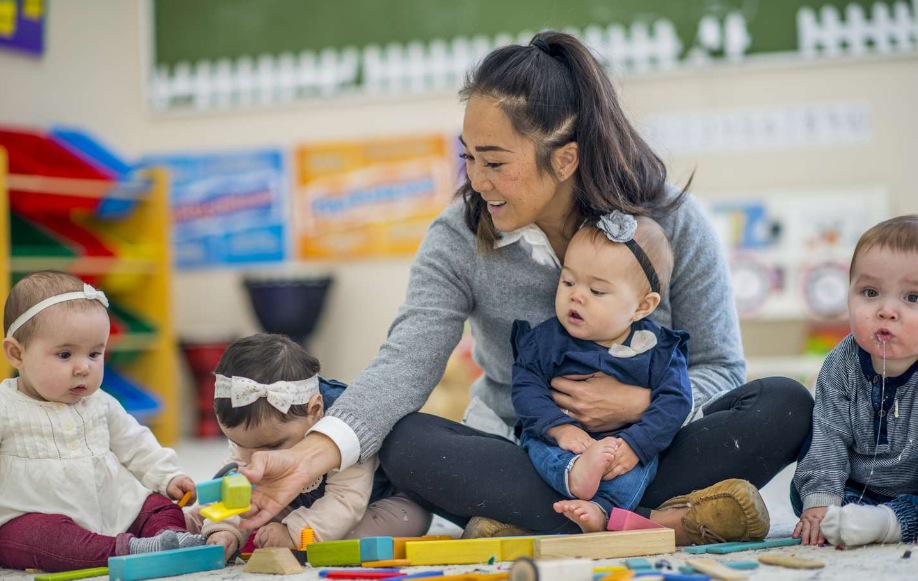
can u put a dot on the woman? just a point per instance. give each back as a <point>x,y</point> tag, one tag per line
<point>547,146</point>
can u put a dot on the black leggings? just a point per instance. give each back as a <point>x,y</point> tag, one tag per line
<point>752,433</point>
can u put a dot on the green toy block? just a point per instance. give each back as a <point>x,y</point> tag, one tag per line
<point>334,553</point>
<point>236,491</point>
<point>70,575</point>
<point>165,563</point>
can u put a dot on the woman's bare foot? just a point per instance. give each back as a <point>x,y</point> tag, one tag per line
<point>587,515</point>
<point>671,518</point>
<point>587,471</point>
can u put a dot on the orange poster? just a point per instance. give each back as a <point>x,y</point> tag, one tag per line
<point>370,198</point>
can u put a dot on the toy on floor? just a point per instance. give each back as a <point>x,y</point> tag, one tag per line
<point>278,561</point>
<point>625,520</point>
<point>790,561</point>
<point>68,575</point>
<point>228,494</point>
<point>165,563</point>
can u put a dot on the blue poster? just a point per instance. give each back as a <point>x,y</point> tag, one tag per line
<point>22,25</point>
<point>228,208</point>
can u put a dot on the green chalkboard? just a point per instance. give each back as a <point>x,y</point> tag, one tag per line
<point>193,30</point>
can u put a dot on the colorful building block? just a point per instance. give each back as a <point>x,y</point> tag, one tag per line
<point>609,545</point>
<point>387,563</point>
<point>725,548</point>
<point>236,491</point>
<point>625,520</point>
<point>334,553</point>
<point>375,548</point>
<point>454,552</point>
<point>398,543</point>
<point>209,491</point>
<point>165,563</point>
<point>69,575</point>
<point>218,512</point>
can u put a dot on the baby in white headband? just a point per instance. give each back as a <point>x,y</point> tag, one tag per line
<point>80,479</point>
<point>268,395</point>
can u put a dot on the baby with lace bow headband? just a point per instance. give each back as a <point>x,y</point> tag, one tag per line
<point>614,272</point>
<point>268,395</point>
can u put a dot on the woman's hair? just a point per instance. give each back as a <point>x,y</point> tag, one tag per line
<point>559,94</point>
<point>264,358</point>
<point>899,234</point>
<point>35,288</point>
<point>652,240</point>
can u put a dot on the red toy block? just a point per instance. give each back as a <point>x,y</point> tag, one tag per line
<point>625,520</point>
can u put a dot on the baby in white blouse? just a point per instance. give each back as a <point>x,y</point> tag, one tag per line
<point>80,479</point>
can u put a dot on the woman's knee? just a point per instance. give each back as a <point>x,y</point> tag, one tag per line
<point>789,402</point>
<point>405,436</point>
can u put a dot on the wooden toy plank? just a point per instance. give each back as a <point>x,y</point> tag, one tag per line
<point>185,498</point>
<point>700,549</point>
<point>275,560</point>
<point>398,543</point>
<point>68,575</point>
<point>218,511</point>
<point>165,563</point>
<point>334,553</point>
<point>789,561</point>
<point>512,548</point>
<point>716,570</point>
<point>375,548</point>
<point>611,545</point>
<point>558,570</point>
<point>725,548</point>
<point>454,552</point>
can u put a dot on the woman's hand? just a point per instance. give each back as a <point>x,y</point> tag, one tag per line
<point>809,528</point>
<point>282,474</point>
<point>599,402</point>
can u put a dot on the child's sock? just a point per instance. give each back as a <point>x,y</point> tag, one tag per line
<point>164,541</point>
<point>186,539</point>
<point>853,525</point>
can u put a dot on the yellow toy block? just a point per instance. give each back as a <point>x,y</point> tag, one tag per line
<point>218,511</point>
<point>236,491</point>
<point>512,548</point>
<point>398,543</point>
<point>461,552</point>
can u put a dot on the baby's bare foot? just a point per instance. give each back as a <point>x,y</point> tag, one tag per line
<point>587,515</point>
<point>588,469</point>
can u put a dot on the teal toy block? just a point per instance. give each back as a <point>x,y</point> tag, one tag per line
<point>725,548</point>
<point>333,553</point>
<point>236,491</point>
<point>376,548</point>
<point>210,491</point>
<point>639,565</point>
<point>165,563</point>
<point>741,565</point>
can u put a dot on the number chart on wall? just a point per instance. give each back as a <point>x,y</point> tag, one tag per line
<point>227,54</point>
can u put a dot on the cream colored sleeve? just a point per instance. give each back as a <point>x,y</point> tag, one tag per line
<point>332,516</point>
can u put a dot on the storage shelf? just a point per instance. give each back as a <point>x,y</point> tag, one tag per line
<point>80,188</point>
<point>83,265</point>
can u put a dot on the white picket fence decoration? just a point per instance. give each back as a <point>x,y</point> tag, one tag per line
<point>440,65</point>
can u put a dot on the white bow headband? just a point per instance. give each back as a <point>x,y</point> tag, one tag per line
<point>88,293</point>
<point>280,394</point>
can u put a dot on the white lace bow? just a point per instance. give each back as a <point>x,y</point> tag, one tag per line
<point>280,394</point>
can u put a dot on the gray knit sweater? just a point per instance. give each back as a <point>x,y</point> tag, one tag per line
<point>450,283</point>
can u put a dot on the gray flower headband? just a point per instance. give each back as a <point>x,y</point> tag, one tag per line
<point>620,227</point>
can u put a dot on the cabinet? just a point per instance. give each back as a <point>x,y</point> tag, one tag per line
<point>50,220</point>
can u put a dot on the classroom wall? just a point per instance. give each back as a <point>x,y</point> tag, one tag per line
<point>92,72</point>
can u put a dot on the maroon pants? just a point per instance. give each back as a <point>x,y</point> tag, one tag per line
<point>53,542</point>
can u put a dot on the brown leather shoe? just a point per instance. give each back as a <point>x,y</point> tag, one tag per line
<point>729,511</point>
<point>481,527</point>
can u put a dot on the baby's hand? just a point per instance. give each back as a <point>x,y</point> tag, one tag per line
<point>571,438</point>
<point>179,485</point>
<point>228,540</point>
<point>274,534</point>
<point>809,528</point>
<point>625,460</point>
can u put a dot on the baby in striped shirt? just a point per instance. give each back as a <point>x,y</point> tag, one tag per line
<point>858,481</point>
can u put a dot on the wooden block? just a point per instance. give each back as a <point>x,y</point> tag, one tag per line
<point>742,565</point>
<point>209,492</point>
<point>375,548</point>
<point>453,552</point>
<point>620,576</point>
<point>165,563</point>
<point>398,543</point>
<point>700,549</point>
<point>218,511</point>
<point>307,536</point>
<point>236,491</point>
<point>789,561</point>
<point>611,545</point>
<point>724,548</point>
<point>716,570</point>
<point>636,563</point>
<point>625,520</point>
<point>68,575</point>
<point>512,548</point>
<point>526,569</point>
<point>275,560</point>
<point>334,553</point>
<point>387,563</point>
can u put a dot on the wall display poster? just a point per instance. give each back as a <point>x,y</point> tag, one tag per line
<point>228,208</point>
<point>789,251</point>
<point>22,25</point>
<point>371,198</point>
